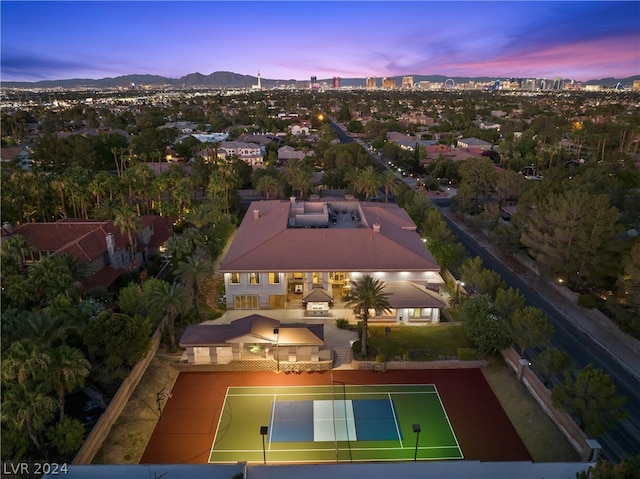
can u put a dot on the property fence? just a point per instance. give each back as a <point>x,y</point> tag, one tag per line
<point>258,365</point>
<point>102,428</point>
<point>393,365</point>
<point>588,449</point>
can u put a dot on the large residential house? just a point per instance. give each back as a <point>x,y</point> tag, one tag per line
<point>248,152</point>
<point>99,245</point>
<point>285,251</point>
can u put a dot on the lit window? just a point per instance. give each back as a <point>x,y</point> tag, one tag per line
<point>274,278</point>
<point>254,278</point>
<point>234,278</point>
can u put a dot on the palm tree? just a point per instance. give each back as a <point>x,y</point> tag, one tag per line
<point>366,295</point>
<point>24,361</point>
<point>17,248</point>
<point>28,406</point>
<point>129,223</point>
<point>268,185</point>
<point>67,373</point>
<point>174,299</point>
<point>195,271</point>
<point>368,182</point>
<point>390,184</point>
<point>300,179</point>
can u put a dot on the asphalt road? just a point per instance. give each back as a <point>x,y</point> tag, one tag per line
<point>624,439</point>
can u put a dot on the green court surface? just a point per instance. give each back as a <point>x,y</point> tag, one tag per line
<point>329,424</point>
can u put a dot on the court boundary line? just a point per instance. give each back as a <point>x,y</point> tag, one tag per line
<point>401,448</point>
<point>215,436</point>
<point>273,410</point>
<point>393,410</point>
<point>449,422</point>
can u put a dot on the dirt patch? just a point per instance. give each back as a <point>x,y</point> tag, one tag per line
<point>543,439</point>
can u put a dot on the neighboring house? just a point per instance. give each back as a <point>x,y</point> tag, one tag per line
<point>248,152</point>
<point>99,245</point>
<point>18,154</point>
<point>474,143</point>
<point>301,128</point>
<point>284,249</point>
<point>288,153</point>
<point>254,337</point>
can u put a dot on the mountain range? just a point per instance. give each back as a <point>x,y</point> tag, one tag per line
<point>223,79</point>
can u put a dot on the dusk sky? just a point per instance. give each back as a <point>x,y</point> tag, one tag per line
<point>293,40</point>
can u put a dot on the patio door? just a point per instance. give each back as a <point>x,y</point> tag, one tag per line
<point>246,301</point>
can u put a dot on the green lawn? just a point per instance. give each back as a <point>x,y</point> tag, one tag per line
<point>420,343</point>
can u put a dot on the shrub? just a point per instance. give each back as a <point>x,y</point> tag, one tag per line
<point>586,300</point>
<point>381,358</point>
<point>342,323</point>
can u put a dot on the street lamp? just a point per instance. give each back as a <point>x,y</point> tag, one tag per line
<point>276,331</point>
<point>458,284</point>
<point>416,429</point>
<point>387,330</point>
<point>263,432</point>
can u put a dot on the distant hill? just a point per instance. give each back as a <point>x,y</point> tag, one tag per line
<point>223,79</point>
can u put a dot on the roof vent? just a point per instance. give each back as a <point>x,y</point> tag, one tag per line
<point>256,214</point>
<point>376,227</point>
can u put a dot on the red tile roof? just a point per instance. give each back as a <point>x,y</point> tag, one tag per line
<point>267,244</point>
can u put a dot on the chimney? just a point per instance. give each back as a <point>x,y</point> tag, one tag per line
<point>256,214</point>
<point>111,249</point>
<point>376,227</point>
<point>292,199</point>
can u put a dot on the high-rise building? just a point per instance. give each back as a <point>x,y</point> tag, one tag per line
<point>636,85</point>
<point>388,83</point>
<point>407,83</point>
<point>372,82</point>
<point>557,83</point>
<point>336,82</point>
<point>314,85</point>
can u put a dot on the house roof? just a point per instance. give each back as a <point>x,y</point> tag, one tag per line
<point>317,295</point>
<point>268,244</point>
<point>407,294</point>
<point>253,329</point>
<point>103,278</point>
<point>84,240</point>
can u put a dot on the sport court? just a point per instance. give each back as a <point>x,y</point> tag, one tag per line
<point>329,423</point>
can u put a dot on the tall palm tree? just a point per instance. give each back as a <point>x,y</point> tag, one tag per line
<point>67,372</point>
<point>300,180</point>
<point>129,223</point>
<point>268,185</point>
<point>174,299</point>
<point>195,272</point>
<point>389,183</point>
<point>25,360</point>
<point>367,295</point>
<point>368,182</point>
<point>17,248</point>
<point>28,406</point>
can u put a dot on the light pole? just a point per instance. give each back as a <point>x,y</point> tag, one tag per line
<point>458,284</point>
<point>416,429</point>
<point>263,432</point>
<point>276,331</point>
<point>387,330</point>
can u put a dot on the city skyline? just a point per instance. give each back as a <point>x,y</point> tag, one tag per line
<point>296,40</point>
